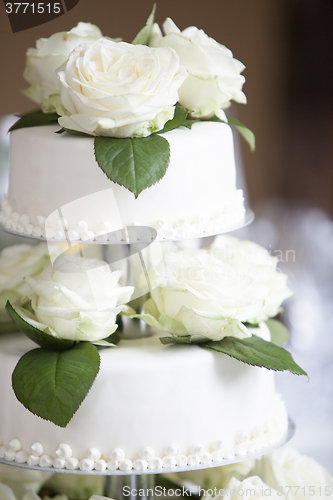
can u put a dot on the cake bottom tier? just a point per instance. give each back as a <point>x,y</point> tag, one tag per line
<point>150,406</point>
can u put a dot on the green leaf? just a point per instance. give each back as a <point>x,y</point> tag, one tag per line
<point>279,333</point>
<point>41,338</point>
<point>252,350</point>
<point>244,131</point>
<point>178,119</point>
<point>143,37</point>
<point>35,118</point>
<point>184,339</point>
<point>52,385</point>
<point>189,122</point>
<point>135,163</point>
<point>74,132</point>
<point>257,352</point>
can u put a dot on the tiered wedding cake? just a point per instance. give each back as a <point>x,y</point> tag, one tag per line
<point>155,152</point>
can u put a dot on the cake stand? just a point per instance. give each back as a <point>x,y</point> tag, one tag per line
<point>121,484</point>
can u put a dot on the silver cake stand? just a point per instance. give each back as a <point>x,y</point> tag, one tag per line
<point>122,485</point>
<point>124,238</point>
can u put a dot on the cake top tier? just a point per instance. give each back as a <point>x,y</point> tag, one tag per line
<point>145,112</point>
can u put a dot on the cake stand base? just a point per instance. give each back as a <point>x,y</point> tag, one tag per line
<point>130,487</point>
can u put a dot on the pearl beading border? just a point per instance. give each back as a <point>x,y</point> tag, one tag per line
<point>230,216</point>
<point>246,442</point>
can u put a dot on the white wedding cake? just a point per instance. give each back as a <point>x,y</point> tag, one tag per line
<point>145,142</point>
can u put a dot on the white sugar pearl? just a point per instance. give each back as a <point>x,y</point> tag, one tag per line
<point>14,445</point>
<point>37,231</point>
<point>82,226</point>
<point>37,449</point>
<point>93,454</point>
<point>155,463</point>
<point>45,461</point>
<point>59,235</point>
<point>229,454</point>
<point>14,216</point>
<point>86,464</point>
<point>24,219</point>
<point>242,437</point>
<point>181,460</point>
<point>10,455</point>
<point>117,454</point>
<point>3,450</point>
<point>64,451</point>
<point>216,456</point>
<point>125,464</point>
<point>240,449</point>
<point>160,224</point>
<point>168,462</point>
<point>205,457</point>
<point>140,464</point>
<point>172,450</point>
<point>100,465</point>
<point>73,235</point>
<point>182,222</point>
<point>21,457</point>
<point>72,464</point>
<point>59,463</point>
<point>196,449</point>
<point>32,460</point>
<point>147,453</point>
<point>193,459</point>
<point>112,465</point>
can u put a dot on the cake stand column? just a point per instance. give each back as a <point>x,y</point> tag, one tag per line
<point>130,487</point>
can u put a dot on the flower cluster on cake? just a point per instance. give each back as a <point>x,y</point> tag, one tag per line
<point>213,308</point>
<point>134,106</point>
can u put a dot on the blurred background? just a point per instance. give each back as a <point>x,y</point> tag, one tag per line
<point>286,46</point>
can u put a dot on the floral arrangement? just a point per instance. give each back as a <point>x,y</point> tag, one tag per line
<point>125,95</point>
<point>284,474</point>
<point>221,298</point>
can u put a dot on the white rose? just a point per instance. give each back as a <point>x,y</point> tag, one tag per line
<point>50,53</point>
<point>297,476</point>
<point>16,262</point>
<point>78,299</point>
<point>22,480</point>
<point>213,292</point>
<point>252,488</point>
<point>118,89</point>
<point>214,75</point>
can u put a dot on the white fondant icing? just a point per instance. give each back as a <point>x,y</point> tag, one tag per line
<point>197,192</point>
<point>216,380</point>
